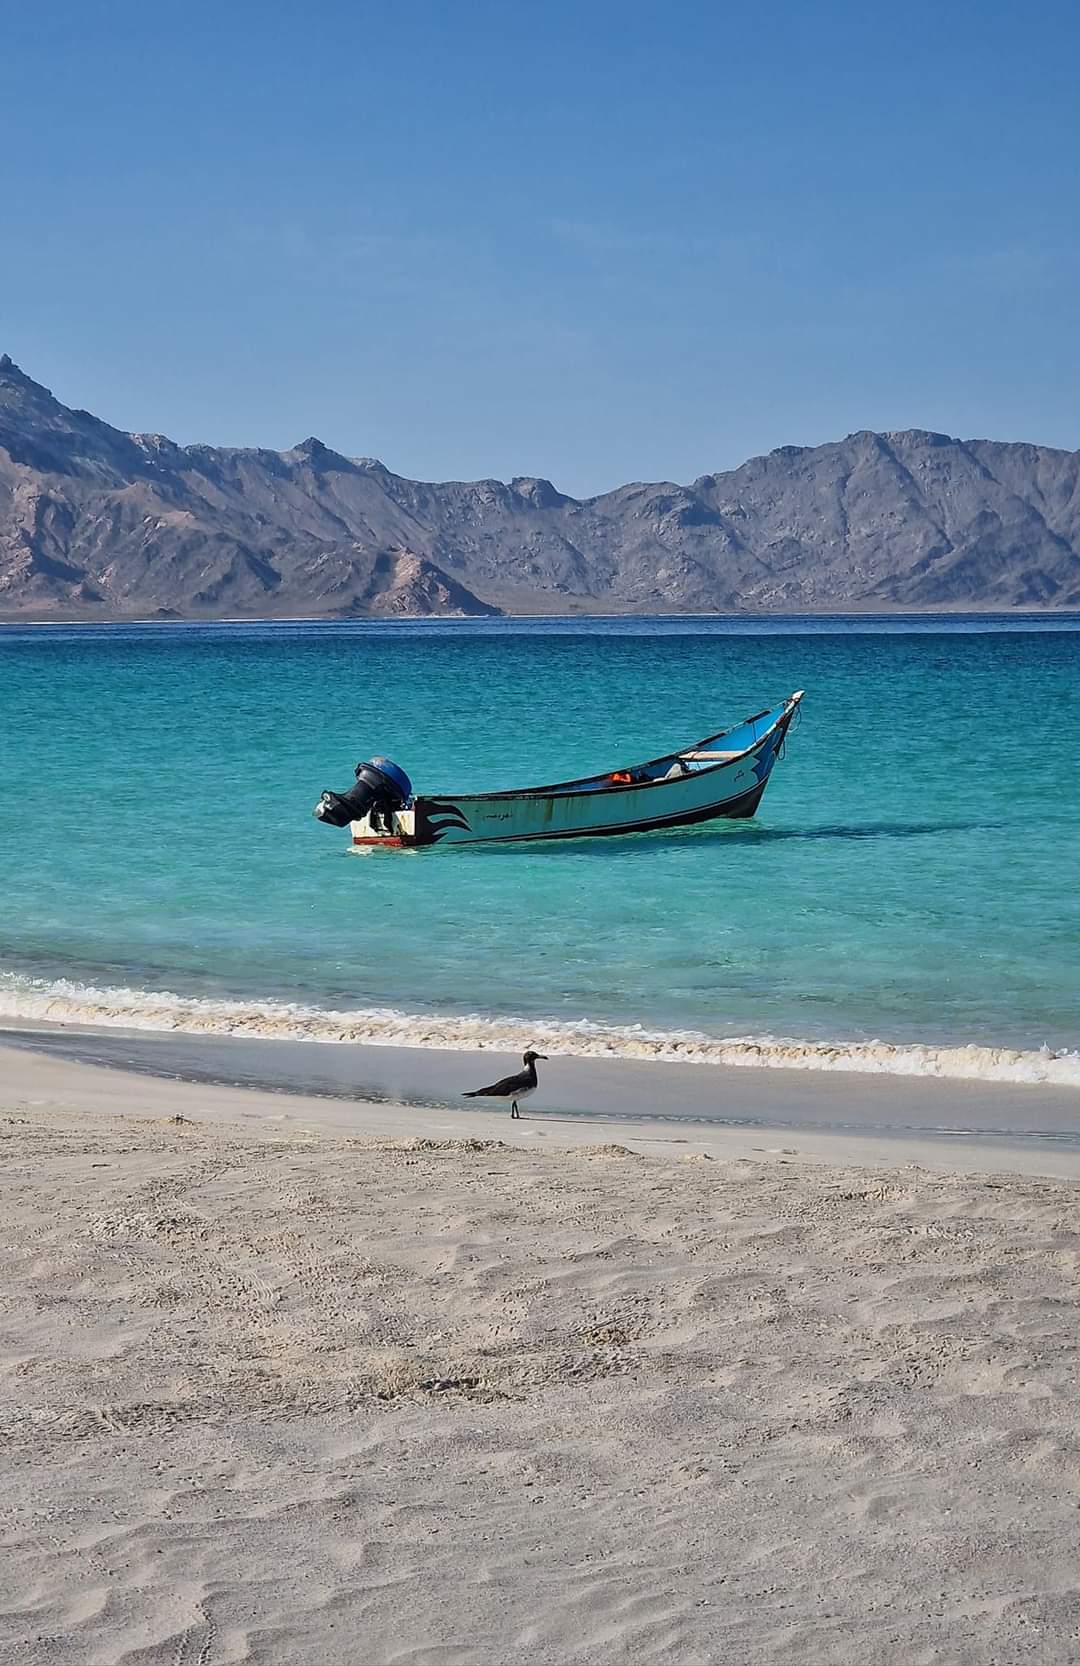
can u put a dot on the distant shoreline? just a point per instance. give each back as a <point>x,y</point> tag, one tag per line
<point>488,621</point>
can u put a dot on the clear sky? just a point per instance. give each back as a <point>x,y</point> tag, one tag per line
<point>594,241</point>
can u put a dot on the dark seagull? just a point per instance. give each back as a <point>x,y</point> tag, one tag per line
<point>512,1087</point>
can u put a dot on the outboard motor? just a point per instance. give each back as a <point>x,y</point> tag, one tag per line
<point>381,786</point>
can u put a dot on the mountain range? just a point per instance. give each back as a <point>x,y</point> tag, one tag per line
<point>96,523</point>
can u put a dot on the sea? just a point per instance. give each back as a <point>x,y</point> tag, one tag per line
<point>907,899</point>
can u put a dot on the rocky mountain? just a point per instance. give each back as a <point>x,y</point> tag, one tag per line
<point>99,524</point>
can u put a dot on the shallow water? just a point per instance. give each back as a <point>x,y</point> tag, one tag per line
<point>911,875</point>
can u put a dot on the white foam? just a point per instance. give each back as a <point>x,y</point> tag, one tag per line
<point>63,1001</point>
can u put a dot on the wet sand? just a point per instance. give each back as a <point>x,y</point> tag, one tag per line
<point>1039,1120</point>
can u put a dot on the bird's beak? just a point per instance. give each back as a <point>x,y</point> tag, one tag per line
<point>542,1056</point>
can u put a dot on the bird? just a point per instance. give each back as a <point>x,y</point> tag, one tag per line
<point>512,1087</point>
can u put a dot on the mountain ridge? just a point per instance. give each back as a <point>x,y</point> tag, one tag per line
<point>97,523</point>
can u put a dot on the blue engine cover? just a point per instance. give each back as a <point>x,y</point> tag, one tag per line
<point>394,773</point>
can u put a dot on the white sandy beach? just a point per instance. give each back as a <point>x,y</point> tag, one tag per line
<point>301,1382</point>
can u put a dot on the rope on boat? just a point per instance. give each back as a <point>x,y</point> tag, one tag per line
<point>796,719</point>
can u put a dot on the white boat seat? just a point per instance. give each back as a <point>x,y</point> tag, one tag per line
<point>709,757</point>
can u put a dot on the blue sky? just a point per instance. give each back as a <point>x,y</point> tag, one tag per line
<point>597,242</point>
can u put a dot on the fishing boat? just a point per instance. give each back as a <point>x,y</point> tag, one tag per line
<point>723,775</point>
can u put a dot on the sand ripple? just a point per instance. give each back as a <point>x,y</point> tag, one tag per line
<point>320,1402</point>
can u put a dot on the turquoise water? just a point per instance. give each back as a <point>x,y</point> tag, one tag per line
<point>912,875</point>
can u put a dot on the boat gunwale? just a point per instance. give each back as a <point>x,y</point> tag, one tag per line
<point>586,782</point>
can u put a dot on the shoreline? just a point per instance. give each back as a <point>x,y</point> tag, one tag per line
<point>32,1001</point>
<point>837,1118</point>
<point>957,610</point>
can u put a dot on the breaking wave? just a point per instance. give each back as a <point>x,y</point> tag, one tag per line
<point>36,1000</point>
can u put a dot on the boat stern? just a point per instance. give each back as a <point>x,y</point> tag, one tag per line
<point>392,829</point>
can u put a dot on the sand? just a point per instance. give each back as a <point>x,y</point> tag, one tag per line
<point>293,1382</point>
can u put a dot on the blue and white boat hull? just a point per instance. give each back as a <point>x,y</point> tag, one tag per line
<point>723,775</point>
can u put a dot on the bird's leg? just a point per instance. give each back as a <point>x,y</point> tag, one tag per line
<point>514,1112</point>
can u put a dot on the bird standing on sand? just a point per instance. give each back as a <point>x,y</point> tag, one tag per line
<point>512,1087</point>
